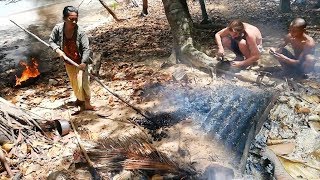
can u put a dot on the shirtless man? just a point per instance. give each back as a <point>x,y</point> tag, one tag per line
<point>303,60</point>
<point>244,39</point>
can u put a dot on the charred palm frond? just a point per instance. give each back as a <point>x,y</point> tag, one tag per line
<point>131,153</point>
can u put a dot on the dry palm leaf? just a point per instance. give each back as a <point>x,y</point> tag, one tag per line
<point>132,153</point>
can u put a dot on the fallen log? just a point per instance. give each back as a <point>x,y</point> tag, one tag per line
<point>259,79</point>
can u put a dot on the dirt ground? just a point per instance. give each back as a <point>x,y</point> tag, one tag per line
<point>134,52</point>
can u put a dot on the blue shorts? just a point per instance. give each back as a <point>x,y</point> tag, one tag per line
<point>235,47</point>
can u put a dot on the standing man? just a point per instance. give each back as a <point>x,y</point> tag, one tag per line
<point>244,39</point>
<point>69,40</point>
<point>302,60</point>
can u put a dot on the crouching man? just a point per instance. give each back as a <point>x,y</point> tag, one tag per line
<point>302,60</point>
<point>244,39</point>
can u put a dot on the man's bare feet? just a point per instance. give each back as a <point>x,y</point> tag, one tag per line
<point>78,102</point>
<point>88,107</point>
<point>75,103</point>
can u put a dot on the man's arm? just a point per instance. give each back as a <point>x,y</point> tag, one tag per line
<point>307,50</point>
<point>218,36</point>
<point>85,49</point>
<point>286,59</point>
<point>54,39</point>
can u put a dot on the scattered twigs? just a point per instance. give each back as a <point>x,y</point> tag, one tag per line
<point>5,163</point>
<point>13,117</point>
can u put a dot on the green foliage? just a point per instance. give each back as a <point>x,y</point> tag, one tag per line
<point>114,5</point>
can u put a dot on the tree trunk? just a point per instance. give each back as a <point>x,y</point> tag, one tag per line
<point>205,18</point>
<point>285,6</point>
<point>181,27</point>
<point>145,7</point>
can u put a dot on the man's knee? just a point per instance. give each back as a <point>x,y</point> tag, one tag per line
<point>243,46</point>
<point>308,64</point>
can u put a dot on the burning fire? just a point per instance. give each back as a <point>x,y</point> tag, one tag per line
<point>28,72</point>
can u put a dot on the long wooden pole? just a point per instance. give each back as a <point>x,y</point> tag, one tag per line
<point>139,111</point>
<point>93,171</point>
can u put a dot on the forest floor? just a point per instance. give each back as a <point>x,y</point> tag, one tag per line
<point>134,55</point>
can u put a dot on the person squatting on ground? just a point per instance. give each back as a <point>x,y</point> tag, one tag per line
<point>69,40</point>
<point>302,60</point>
<point>244,39</point>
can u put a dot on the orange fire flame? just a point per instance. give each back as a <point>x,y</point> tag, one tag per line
<point>28,72</point>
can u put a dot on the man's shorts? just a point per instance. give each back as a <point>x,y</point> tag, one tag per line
<point>235,47</point>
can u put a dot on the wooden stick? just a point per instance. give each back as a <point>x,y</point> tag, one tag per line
<point>5,163</point>
<point>93,171</point>
<point>109,10</point>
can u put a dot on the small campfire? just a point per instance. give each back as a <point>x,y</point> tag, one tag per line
<point>30,71</point>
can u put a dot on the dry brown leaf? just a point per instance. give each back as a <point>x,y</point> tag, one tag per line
<point>53,98</point>
<point>302,110</point>
<point>110,100</point>
<point>37,100</point>
<point>4,177</point>
<point>24,148</point>
<point>7,146</point>
<point>54,151</point>
<point>312,98</point>
<point>300,170</point>
<point>32,168</point>
<point>278,141</point>
<point>282,149</point>
<point>314,118</point>
<point>39,143</point>
<point>315,125</point>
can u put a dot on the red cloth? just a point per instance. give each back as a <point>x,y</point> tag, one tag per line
<point>71,50</point>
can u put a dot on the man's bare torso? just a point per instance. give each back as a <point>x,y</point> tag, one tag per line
<point>301,45</point>
<point>253,32</point>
